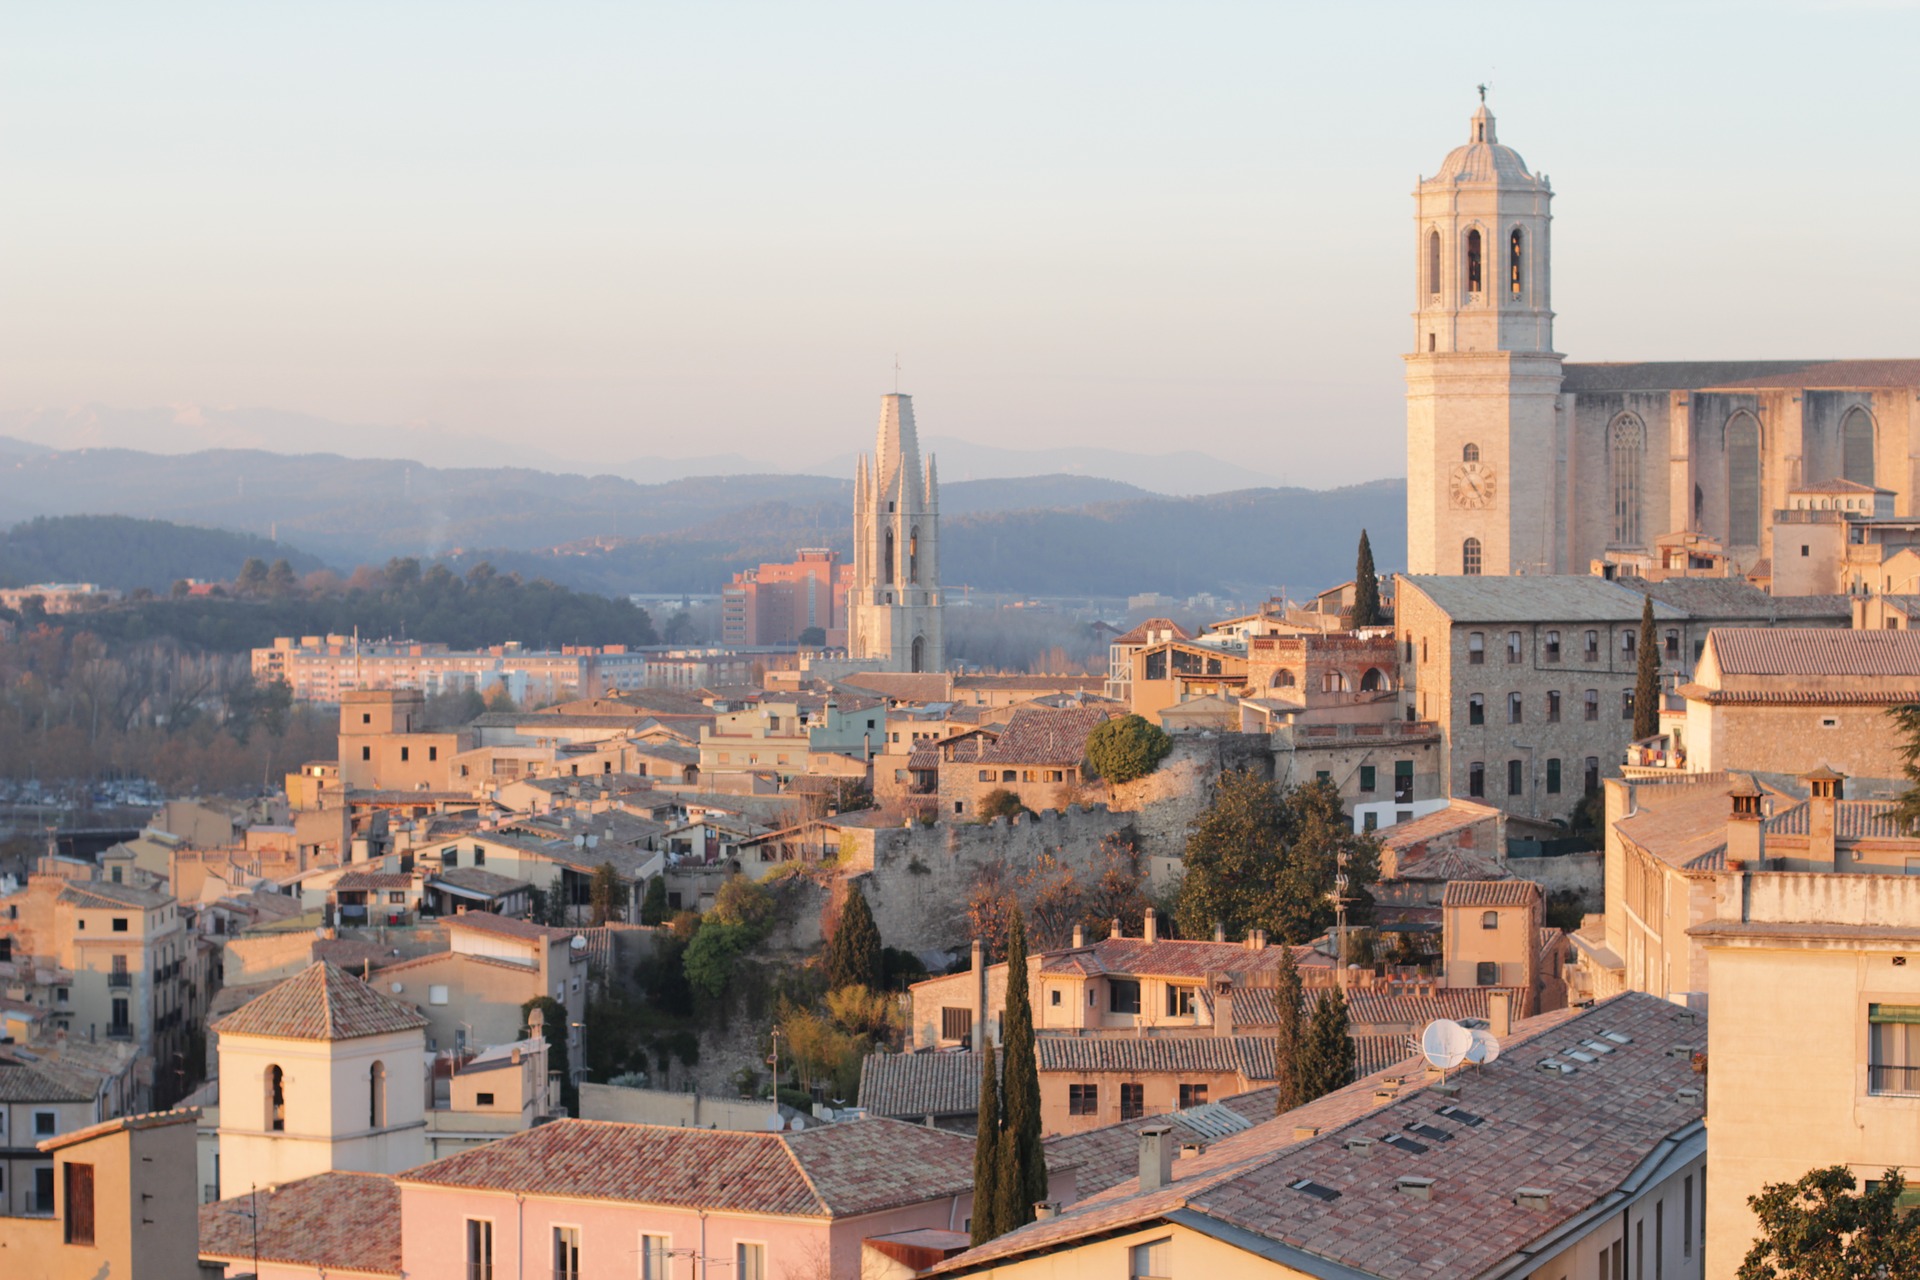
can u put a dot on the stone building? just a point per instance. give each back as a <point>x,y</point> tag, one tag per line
<point>894,608</point>
<point>1521,463</point>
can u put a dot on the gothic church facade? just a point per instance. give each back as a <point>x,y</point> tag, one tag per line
<point>1518,462</point>
<point>893,608</point>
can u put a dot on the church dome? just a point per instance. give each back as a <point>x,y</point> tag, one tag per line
<point>1484,160</point>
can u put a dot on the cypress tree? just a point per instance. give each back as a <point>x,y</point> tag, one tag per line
<point>1326,1059</point>
<point>1290,1033</point>
<point>1024,1161</point>
<point>1366,588</point>
<point>986,1151</point>
<point>1646,685</point>
<point>853,955</point>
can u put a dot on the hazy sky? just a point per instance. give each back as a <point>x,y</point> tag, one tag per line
<point>622,229</point>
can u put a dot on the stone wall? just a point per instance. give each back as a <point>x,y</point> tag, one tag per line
<point>1580,873</point>
<point>1165,803</point>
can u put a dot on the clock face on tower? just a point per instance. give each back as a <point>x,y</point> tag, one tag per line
<point>1473,485</point>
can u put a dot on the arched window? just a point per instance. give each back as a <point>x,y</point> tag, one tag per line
<point>1470,557</point>
<point>919,653</point>
<point>1433,262</point>
<point>377,1096</point>
<point>1856,446</point>
<point>1283,679</point>
<point>1473,261</point>
<point>889,557</point>
<point>1626,446</point>
<point>1743,480</point>
<point>1699,507</point>
<point>1469,453</point>
<point>1513,263</point>
<point>1374,680</point>
<point>276,1099</point>
<point>1334,682</point>
<point>913,556</point>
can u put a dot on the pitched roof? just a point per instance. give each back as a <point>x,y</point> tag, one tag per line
<point>909,1086</point>
<point>506,926</point>
<point>1698,375</point>
<point>1580,1135</point>
<point>478,880</point>
<point>1852,488</point>
<point>120,1124</point>
<point>1168,958</point>
<point>836,1170</point>
<point>1713,598</point>
<point>1490,893</point>
<point>107,894</point>
<point>1814,651</point>
<point>1154,630</point>
<point>1852,820</point>
<point>338,1221</point>
<point>320,1002</point>
<point>373,881</point>
<point>1543,599</point>
<point>22,1081</point>
<point>1036,736</point>
<point>1248,1056</point>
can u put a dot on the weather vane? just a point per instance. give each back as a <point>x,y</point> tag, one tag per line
<point>1483,91</point>
<point>896,373</point>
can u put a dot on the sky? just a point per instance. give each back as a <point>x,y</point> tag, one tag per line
<point>610,231</point>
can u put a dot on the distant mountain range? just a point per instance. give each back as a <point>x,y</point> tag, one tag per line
<point>1054,534</point>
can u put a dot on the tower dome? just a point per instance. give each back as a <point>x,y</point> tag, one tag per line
<point>1484,160</point>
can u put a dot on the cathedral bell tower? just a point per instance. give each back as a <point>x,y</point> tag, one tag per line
<point>893,611</point>
<point>1483,379</point>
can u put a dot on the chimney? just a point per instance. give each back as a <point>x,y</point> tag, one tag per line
<point>1256,939</point>
<point>1156,1156</point>
<point>1151,929</point>
<point>980,996</point>
<point>1219,930</point>
<point>1079,936</point>
<point>1114,932</point>
<point>1500,1013</point>
<point>1745,841</point>
<point>1044,1209</point>
<point>1223,1008</point>
<point>1824,791</point>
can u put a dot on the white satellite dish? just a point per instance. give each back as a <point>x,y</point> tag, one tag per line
<point>1445,1043</point>
<point>797,1123</point>
<point>1485,1047</point>
<point>776,1122</point>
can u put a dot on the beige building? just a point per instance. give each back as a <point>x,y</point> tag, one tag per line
<point>894,618</point>
<point>326,669</point>
<point>471,994</point>
<point>1490,933</point>
<point>38,1101</point>
<point>385,746</point>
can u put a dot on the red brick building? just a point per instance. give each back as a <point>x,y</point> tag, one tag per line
<point>774,603</point>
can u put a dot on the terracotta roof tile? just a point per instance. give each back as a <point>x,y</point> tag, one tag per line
<point>909,1086</point>
<point>1247,1056</point>
<point>320,1003</point>
<point>1490,893</point>
<point>506,926</point>
<point>336,1221</point>
<point>1035,736</point>
<point>1814,651</point>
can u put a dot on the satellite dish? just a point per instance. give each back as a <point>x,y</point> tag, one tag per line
<point>776,1122</point>
<point>797,1123</point>
<point>1485,1047</point>
<point>1445,1043</point>
<point>579,943</point>
<point>397,987</point>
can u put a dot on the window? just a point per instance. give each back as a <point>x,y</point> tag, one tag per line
<point>1514,244</point>
<point>1151,1261</point>
<point>1673,643</point>
<point>956,1024</point>
<point>1123,995</point>
<point>1487,973</point>
<point>1489,919</point>
<point>1367,777</point>
<point>1626,441</point>
<point>1192,1095</point>
<point>1513,647</point>
<point>1593,646</point>
<point>1433,262</point>
<point>276,1099</point>
<point>79,1206</point>
<point>482,1099</point>
<point>43,1124</point>
<point>1553,646</point>
<point>1053,997</point>
<point>1181,1001</point>
<point>1477,779</point>
<point>1743,480</point>
<point>1473,261</point>
<point>566,1253</point>
<point>377,1096</point>
<point>479,1249</point>
<point>1659,1239</point>
<point>433,753</point>
<point>1893,1047</point>
<point>1514,777</point>
<point>1626,704</point>
<point>1083,1099</point>
<point>1592,704</point>
<point>119,924</point>
<point>1476,648</point>
<point>750,1261</point>
<point>1513,708</point>
<point>122,1025</point>
<point>1133,1101</point>
<point>43,1189</point>
<point>656,1257</point>
<point>366,753</point>
<point>1402,781</point>
<point>396,898</point>
<point>1553,706</point>
<point>1856,446</point>
<point>1470,453</point>
<point>405,754</point>
<point>1470,557</point>
<point>1476,709</point>
<point>1686,1218</point>
<point>1553,775</point>
<point>1593,773</point>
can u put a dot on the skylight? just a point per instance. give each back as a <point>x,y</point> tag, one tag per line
<point>1458,1116</point>
<point>1399,1143</point>
<point>1314,1189</point>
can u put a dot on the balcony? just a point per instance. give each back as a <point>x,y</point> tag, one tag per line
<point>120,1031</point>
<point>1899,1082</point>
<point>119,979</point>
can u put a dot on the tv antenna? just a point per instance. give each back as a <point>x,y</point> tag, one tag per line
<point>1445,1044</point>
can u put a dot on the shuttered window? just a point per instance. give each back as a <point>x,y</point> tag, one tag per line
<point>79,1188</point>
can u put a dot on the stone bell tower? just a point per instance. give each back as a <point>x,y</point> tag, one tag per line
<point>1483,380</point>
<point>894,611</point>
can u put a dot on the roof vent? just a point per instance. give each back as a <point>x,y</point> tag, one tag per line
<point>1688,1095</point>
<point>1301,1132</point>
<point>1554,1064</point>
<point>1616,1037</point>
<point>1681,1050</point>
<point>1458,1116</point>
<point>1595,1046</point>
<point>1386,1092</point>
<point>1583,1058</point>
<point>1418,1188</point>
<point>1446,1088</point>
<point>1314,1189</point>
<point>1539,1199</point>
<point>1360,1146</point>
<point>1407,1145</point>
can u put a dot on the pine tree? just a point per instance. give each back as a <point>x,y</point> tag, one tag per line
<point>1024,1175</point>
<point>1366,588</point>
<point>986,1151</point>
<point>1290,1033</point>
<point>1646,686</point>
<point>853,954</point>
<point>607,894</point>
<point>1326,1059</point>
<point>653,907</point>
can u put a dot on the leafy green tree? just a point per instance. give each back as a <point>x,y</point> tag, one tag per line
<point>1819,1228</point>
<point>499,699</point>
<point>711,955</point>
<point>986,1150</point>
<point>741,901</point>
<point>1127,747</point>
<point>252,578</point>
<point>680,628</point>
<point>653,906</point>
<point>1326,1054</point>
<point>1022,1177</point>
<point>608,894</point>
<point>1646,684</point>
<point>1260,858</point>
<point>812,637</point>
<point>1000,803</point>
<point>1906,723</point>
<point>555,1016</point>
<point>281,582</point>
<point>1289,1034</point>
<point>1365,611</point>
<point>853,953</point>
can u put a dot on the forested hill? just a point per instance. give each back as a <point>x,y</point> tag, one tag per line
<point>127,554</point>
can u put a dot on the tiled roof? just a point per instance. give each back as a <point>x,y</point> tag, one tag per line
<point>1168,958</point>
<point>336,1221</point>
<point>1716,598</point>
<point>43,1082</point>
<point>479,880</point>
<point>1837,485</point>
<point>1457,815</point>
<point>904,686</point>
<point>1800,697</point>
<point>120,1124</point>
<point>1154,629</point>
<point>1700,375</point>
<point>1107,1156</point>
<point>1579,1135</point>
<point>1248,1056</point>
<point>320,1003</point>
<point>1049,737</point>
<point>506,926</point>
<point>372,881</point>
<point>908,1086</point>
<point>1543,599</point>
<point>1370,1007</point>
<point>1490,893</point>
<point>1814,651</point>
<point>836,1170</point>
<point>1852,820</point>
<point>106,894</point>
